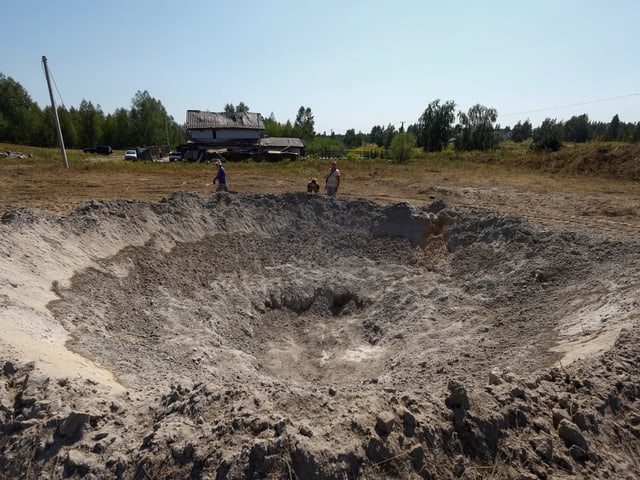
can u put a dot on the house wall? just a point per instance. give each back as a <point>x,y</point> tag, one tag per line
<point>206,135</point>
<point>237,134</point>
<point>202,135</point>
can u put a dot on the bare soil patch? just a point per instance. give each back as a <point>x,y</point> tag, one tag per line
<point>423,325</point>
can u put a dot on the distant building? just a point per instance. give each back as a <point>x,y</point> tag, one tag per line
<point>234,136</point>
<point>282,147</point>
<point>210,127</point>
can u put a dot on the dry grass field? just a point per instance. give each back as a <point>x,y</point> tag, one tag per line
<point>592,184</point>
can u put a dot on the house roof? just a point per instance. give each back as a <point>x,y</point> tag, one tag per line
<point>197,119</point>
<point>281,142</point>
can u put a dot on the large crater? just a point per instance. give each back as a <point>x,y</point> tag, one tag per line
<point>298,288</point>
<point>293,336</point>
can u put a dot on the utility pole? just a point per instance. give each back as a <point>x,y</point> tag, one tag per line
<point>403,139</point>
<point>166,126</point>
<point>55,114</point>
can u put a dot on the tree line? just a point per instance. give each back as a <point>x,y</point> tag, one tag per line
<point>23,122</point>
<point>439,127</point>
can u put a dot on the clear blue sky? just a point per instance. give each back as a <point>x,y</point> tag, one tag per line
<point>356,64</point>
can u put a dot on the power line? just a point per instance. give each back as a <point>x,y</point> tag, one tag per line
<point>569,106</point>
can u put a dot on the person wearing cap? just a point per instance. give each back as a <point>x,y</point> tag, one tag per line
<point>221,177</point>
<point>312,186</point>
<point>333,180</point>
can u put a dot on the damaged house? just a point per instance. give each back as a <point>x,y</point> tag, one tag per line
<point>234,136</point>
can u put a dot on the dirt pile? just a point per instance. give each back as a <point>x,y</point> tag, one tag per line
<point>292,336</point>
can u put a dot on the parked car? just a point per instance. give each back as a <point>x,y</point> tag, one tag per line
<point>104,149</point>
<point>11,154</point>
<point>130,155</point>
<point>101,149</point>
<point>175,156</point>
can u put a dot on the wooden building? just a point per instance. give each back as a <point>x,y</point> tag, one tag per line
<point>234,136</point>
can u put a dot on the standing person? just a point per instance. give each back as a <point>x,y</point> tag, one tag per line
<point>221,177</point>
<point>333,180</point>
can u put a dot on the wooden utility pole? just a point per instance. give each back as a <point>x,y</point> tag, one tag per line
<point>55,114</point>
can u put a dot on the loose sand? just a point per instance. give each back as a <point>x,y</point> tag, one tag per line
<point>470,333</point>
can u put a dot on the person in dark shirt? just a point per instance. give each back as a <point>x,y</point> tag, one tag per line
<point>221,177</point>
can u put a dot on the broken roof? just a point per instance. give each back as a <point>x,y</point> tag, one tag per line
<point>281,142</point>
<point>197,119</point>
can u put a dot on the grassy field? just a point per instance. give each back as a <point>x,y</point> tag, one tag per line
<point>40,179</point>
<point>603,159</point>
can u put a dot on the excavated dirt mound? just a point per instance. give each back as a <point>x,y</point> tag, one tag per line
<point>293,336</point>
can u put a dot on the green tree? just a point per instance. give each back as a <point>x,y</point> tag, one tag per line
<point>67,126</point>
<point>177,132</point>
<point>21,120</point>
<point>241,107</point>
<point>117,129</point>
<point>304,124</point>
<point>148,120</point>
<point>598,130</point>
<point>635,136</point>
<point>325,146</point>
<point>548,136</point>
<point>4,125</point>
<point>613,133</point>
<point>48,135</point>
<point>388,134</point>
<point>89,123</point>
<point>521,131</point>
<point>625,133</point>
<point>271,127</point>
<point>402,145</point>
<point>351,139</point>
<point>576,129</point>
<point>377,135</point>
<point>436,125</point>
<point>288,130</point>
<point>476,129</point>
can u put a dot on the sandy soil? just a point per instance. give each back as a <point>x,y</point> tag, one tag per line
<point>425,327</point>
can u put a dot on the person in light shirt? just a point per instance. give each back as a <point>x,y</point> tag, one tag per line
<point>333,180</point>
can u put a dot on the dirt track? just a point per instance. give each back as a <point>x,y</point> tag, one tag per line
<point>478,331</point>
